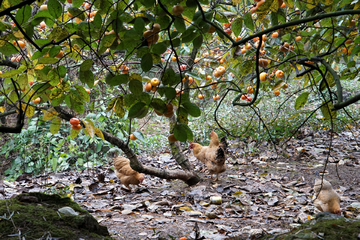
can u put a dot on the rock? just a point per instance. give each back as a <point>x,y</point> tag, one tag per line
<point>255,233</point>
<point>68,211</point>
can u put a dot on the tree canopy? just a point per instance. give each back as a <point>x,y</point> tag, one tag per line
<point>166,56</point>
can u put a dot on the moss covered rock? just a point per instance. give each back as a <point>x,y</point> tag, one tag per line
<point>325,226</point>
<point>35,215</point>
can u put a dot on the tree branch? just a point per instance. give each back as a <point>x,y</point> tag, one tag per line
<point>296,22</point>
<point>8,10</point>
<point>189,177</point>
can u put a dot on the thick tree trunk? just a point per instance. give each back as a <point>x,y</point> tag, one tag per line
<point>189,177</point>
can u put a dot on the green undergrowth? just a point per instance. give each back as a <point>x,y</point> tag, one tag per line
<point>35,216</point>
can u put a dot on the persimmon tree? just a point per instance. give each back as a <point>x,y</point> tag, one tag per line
<point>164,56</point>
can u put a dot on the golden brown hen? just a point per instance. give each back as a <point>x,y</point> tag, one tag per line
<point>325,198</point>
<point>214,141</point>
<point>215,161</point>
<point>125,173</point>
<point>213,156</point>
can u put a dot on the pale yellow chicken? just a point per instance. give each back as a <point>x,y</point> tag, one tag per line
<point>125,173</point>
<point>325,198</point>
<point>213,156</point>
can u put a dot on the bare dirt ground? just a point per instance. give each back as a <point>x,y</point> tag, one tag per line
<point>261,192</point>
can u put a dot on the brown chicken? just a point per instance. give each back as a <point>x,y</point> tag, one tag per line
<point>213,156</point>
<point>125,173</point>
<point>215,161</point>
<point>199,151</point>
<point>214,141</point>
<point>327,200</point>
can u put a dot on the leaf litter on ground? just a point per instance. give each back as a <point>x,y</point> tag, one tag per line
<point>260,193</point>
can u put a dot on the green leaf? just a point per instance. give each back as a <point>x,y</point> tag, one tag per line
<point>62,71</point>
<point>192,109</point>
<point>159,48</point>
<point>142,51</point>
<point>189,133</point>
<point>48,60</point>
<point>13,97</point>
<point>136,87</point>
<point>119,107</point>
<point>55,125</point>
<point>139,136</point>
<point>327,2</point>
<point>97,20</point>
<point>73,134</point>
<point>59,100</point>
<point>75,96</point>
<point>301,100</point>
<point>76,12</point>
<point>180,24</point>
<point>86,65</point>
<point>163,20</point>
<point>168,77</point>
<point>125,17</point>
<point>185,97</point>
<point>11,73</point>
<point>236,26</point>
<point>77,3</point>
<point>76,106</point>
<point>82,92</point>
<point>146,62</point>
<point>54,77</point>
<point>87,77</point>
<point>274,18</point>
<point>54,51</point>
<point>247,67</point>
<point>57,34</point>
<point>182,115</point>
<point>89,126</point>
<point>188,35</point>
<point>117,79</point>
<point>289,3</point>
<point>23,14</point>
<point>135,76</point>
<point>39,54</point>
<point>170,92</point>
<point>108,40</point>
<point>327,111</point>
<point>55,8</point>
<point>198,42</point>
<point>159,105</point>
<point>55,93</point>
<point>310,4</point>
<point>8,49</point>
<point>248,21</point>
<point>268,5</point>
<point>22,80</point>
<point>137,110</point>
<point>180,132</point>
<point>139,24</point>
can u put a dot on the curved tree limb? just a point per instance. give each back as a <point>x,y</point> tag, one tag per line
<point>189,177</point>
<point>8,10</point>
<point>295,23</point>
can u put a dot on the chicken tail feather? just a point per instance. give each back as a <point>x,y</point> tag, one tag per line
<point>223,143</point>
<point>220,155</point>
